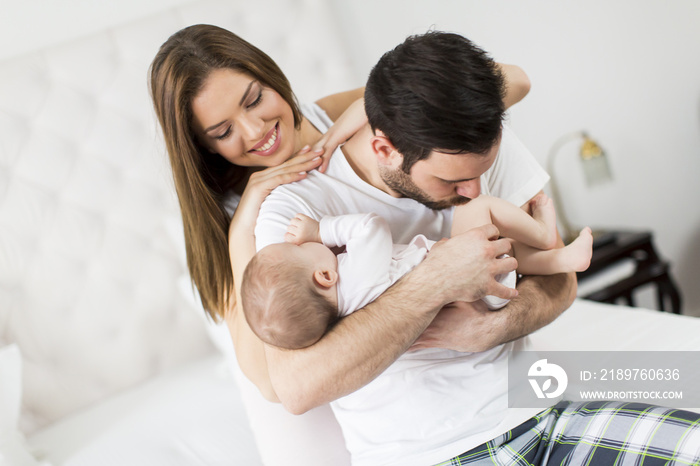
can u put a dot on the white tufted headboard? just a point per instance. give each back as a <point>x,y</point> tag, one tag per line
<point>90,240</point>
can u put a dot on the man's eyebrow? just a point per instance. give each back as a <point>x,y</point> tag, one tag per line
<point>245,95</point>
<point>458,181</point>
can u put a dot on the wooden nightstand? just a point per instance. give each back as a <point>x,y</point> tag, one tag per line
<point>613,246</point>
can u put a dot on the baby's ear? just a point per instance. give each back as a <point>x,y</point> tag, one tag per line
<point>325,278</point>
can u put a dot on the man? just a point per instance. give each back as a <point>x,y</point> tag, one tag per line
<point>435,139</point>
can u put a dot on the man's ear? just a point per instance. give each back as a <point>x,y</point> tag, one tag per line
<point>385,151</point>
<point>325,278</point>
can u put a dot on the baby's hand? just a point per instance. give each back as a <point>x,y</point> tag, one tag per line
<point>302,229</point>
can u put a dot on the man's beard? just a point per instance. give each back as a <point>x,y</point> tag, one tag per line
<point>402,183</point>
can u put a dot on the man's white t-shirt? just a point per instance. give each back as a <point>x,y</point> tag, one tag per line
<point>434,404</point>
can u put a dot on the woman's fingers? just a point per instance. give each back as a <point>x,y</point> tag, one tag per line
<point>294,169</point>
<point>326,158</point>
<point>286,173</point>
<point>305,161</point>
<point>324,148</point>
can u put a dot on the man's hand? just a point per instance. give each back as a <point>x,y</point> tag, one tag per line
<point>302,229</point>
<point>465,266</point>
<point>460,326</point>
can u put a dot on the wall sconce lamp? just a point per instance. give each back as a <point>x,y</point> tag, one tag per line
<point>595,169</point>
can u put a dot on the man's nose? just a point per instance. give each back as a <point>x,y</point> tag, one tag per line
<point>469,189</point>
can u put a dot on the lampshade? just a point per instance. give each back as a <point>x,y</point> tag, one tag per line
<point>595,168</point>
<point>594,161</point>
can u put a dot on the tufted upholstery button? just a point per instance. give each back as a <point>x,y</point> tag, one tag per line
<point>88,65</point>
<point>114,138</point>
<point>97,177</point>
<point>13,258</point>
<point>14,132</point>
<point>75,232</point>
<point>65,113</point>
<point>28,210</point>
<point>4,182</point>
<point>46,160</point>
<point>127,94</point>
<point>25,83</point>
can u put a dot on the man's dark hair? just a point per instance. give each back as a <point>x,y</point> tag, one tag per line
<point>436,91</point>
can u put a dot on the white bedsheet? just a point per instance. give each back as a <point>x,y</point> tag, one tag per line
<point>593,326</point>
<point>194,416</point>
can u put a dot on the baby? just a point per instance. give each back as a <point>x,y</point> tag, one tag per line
<point>293,292</point>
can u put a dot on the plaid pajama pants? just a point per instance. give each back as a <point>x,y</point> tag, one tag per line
<point>597,433</point>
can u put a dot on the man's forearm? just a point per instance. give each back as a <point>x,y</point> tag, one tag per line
<point>541,299</point>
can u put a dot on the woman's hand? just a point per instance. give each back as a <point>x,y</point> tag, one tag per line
<point>261,183</point>
<point>349,122</point>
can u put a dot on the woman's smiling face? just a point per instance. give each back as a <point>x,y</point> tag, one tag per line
<point>248,124</point>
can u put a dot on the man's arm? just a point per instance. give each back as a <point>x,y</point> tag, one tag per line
<point>471,327</point>
<point>365,343</point>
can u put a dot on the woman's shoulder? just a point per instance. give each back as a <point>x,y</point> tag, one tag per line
<point>316,116</point>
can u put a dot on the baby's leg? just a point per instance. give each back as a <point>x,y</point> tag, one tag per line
<point>538,230</point>
<point>575,257</point>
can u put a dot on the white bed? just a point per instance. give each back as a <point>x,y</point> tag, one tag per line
<point>193,415</point>
<point>118,365</point>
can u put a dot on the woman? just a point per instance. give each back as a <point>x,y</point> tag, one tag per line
<point>232,128</point>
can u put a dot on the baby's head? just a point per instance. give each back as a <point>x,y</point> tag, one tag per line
<point>289,294</point>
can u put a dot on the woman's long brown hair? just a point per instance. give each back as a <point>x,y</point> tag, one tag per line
<point>202,179</point>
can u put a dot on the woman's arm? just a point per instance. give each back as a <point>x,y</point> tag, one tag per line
<point>517,84</point>
<point>348,116</point>
<point>347,110</point>
<point>250,350</point>
<point>335,104</point>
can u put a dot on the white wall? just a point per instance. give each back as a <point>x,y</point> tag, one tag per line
<point>36,23</point>
<point>626,71</point>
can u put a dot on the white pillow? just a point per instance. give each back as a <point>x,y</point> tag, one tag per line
<point>12,444</point>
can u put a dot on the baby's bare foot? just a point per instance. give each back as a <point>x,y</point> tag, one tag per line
<point>543,212</point>
<point>577,255</point>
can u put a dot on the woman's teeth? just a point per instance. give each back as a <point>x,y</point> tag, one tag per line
<point>269,143</point>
